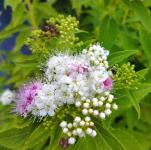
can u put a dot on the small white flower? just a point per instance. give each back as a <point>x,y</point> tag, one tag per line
<point>79,131</point>
<point>69,125</point>
<point>107,105</point>
<point>95,112</point>
<point>95,100</point>
<point>83,98</point>
<point>107,112</point>
<point>71,140</point>
<point>89,131</point>
<point>82,123</point>
<point>63,124</point>
<point>86,105</point>
<point>93,134</point>
<point>102,115</point>
<point>84,111</point>
<point>100,103</point>
<point>78,104</point>
<point>107,93</point>
<point>87,119</point>
<point>7,97</point>
<point>77,119</point>
<point>102,98</point>
<point>74,132</point>
<point>75,124</point>
<point>90,110</point>
<point>91,123</point>
<point>95,104</point>
<point>84,51</point>
<point>88,101</point>
<point>65,130</point>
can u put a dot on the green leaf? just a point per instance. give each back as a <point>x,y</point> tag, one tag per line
<point>142,91</point>
<point>20,40</point>
<point>112,141</point>
<point>11,3</point>
<point>39,136</point>
<point>142,73</point>
<point>108,32</point>
<point>134,101</point>
<point>141,12</point>
<point>131,118</point>
<point>145,39</point>
<point>7,33</point>
<point>18,16</point>
<point>45,8</point>
<point>77,5</point>
<point>119,56</point>
<point>127,139</point>
<point>14,138</point>
<point>55,135</point>
<point>89,143</point>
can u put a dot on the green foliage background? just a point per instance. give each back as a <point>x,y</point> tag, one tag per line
<point>124,28</point>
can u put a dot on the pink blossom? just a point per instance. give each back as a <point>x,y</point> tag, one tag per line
<point>107,84</point>
<point>78,69</point>
<point>26,97</point>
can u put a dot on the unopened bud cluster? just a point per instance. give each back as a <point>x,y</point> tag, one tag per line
<point>60,30</point>
<point>125,76</point>
<point>36,42</point>
<point>79,128</point>
<point>67,27</point>
<point>98,107</point>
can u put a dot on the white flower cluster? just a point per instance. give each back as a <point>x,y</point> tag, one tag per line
<point>70,80</point>
<point>83,81</point>
<point>44,102</point>
<point>74,78</point>
<point>7,97</point>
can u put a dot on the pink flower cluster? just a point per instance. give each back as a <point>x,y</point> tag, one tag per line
<point>107,84</point>
<point>78,69</point>
<point>26,97</point>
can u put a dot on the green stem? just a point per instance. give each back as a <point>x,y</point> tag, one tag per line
<point>31,13</point>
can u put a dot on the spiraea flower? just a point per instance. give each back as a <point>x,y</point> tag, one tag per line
<point>83,82</point>
<point>7,97</point>
<point>44,102</point>
<point>25,97</point>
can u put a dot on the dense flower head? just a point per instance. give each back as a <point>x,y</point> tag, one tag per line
<point>83,81</point>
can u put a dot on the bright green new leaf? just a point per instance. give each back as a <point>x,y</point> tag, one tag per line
<point>15,138</point>
<point>118,57</point>
<point>11,3</point>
